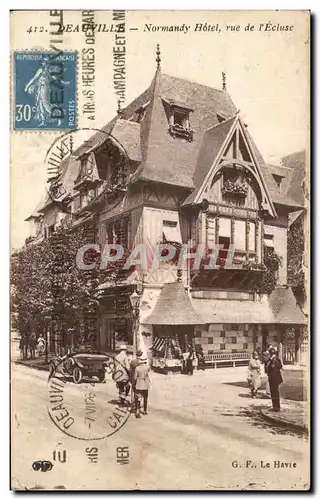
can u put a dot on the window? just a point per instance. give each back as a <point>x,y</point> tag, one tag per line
<point>278,180</point>
<point>222,347</point>
<point>222,334</point>
<point>245,345</point>
<point>181,118</point>
<point>179,123</point>
<point>49,231</point>
<point>233,340</point>
<point>118,232</point>
<point>268,240</point>
<point>171,231</point>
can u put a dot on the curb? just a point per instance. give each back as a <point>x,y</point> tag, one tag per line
<point>34,366</point>
<point>284,422</point>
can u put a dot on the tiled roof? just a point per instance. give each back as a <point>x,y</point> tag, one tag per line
<point>297,161</point>
<point>128,135</point>
<point>233,311</point>
<point>174,307</point>
<point>173,161</point>
<point>267,171</point>
<point>285,307</point>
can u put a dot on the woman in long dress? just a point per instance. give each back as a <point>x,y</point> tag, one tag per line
<point>254,375</point>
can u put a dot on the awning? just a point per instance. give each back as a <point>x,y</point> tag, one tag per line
<point>172,234</point>
<point>233,311</point>
<point>174,307</point>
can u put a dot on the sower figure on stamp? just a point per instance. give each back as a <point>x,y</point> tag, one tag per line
<point>122,374</point>
<point>142,385</point>
<point>273,369</point>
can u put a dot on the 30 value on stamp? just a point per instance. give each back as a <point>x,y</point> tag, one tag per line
<point>45,91</point>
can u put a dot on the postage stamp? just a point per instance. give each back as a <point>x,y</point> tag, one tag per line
<point>45,85</point>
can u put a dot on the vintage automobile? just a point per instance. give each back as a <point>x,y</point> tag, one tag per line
<point>80,365</point>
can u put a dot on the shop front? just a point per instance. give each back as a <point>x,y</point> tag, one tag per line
<point>174,322</point>
<point>116,319</point>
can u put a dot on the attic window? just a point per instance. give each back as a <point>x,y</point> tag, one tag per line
<point>278,180</point>
<point>179,124</point>
<point>221,118</point>
<point>181,118</point>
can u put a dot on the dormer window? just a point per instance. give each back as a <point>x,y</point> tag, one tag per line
<point>180,123</point>
<point>278,179</point>
<point>181,118</point>
<point>178,115</point>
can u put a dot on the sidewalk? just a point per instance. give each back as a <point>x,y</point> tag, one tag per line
<point>37,363</point>
<point>293,414</point>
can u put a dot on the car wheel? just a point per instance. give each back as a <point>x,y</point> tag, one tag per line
<point>101,375</point>
<point>77,375</point>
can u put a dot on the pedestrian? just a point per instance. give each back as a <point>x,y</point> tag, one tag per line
<point>273,368</point>
<point>22,347</point>
<point>189,361</point>
<point>142,385</point>
<point>133,365</point>
<point>254,375</point>
<point>32,345</point>
<point>121,374</point>
<point>200,357</point>
<point>265,357</point>
<point>40,345</point>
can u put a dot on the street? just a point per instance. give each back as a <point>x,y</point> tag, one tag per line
<point>201,432</point>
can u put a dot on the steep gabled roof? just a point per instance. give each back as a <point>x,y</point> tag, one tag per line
<point>213,140</point>
<point>174,307</point>
<point>173,161</point>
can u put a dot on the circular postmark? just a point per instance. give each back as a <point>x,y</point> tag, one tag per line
<point>81,407</point>
<point>83,156</point>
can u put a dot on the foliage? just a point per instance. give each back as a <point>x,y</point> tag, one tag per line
<point>237,187</point>
<point>48,286</point>
<point>296,277</point>
<point>270,268</point>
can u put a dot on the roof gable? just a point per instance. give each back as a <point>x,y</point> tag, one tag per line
<point>216,143</point>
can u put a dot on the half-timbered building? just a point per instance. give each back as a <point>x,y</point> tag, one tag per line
<point>178,165</point>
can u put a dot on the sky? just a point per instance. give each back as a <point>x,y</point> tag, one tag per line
<point>267,78</point>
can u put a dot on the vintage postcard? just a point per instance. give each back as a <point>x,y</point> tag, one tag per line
<point>160,250</point>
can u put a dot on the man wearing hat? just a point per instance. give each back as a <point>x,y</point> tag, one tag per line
<point>122,374</point>
<point>273,369</point>
<point>142,385</point>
